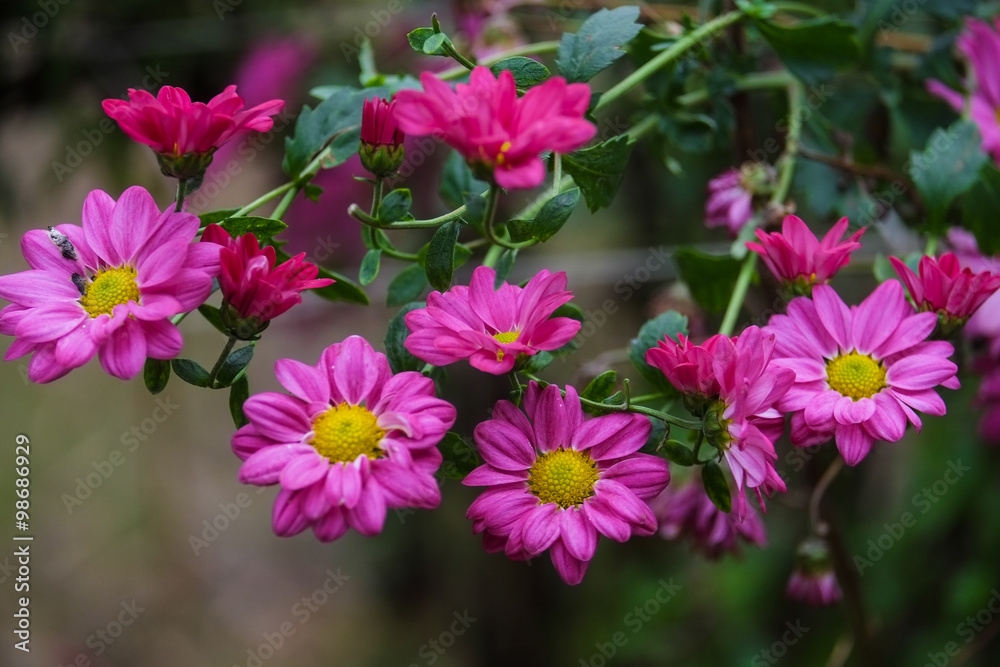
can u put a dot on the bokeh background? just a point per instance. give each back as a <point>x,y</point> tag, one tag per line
<point>136,510</point>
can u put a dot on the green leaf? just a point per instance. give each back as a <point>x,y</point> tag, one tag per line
<point>406,286</point>
<point>599,170</point>
<point>526,72</point>
<point>979,210</point>
<point>459,457</point>
<point>617,399</point>
<point>190,371</point>
<point>538,362</point>
<point>343,289</point>
<point>419,37</point>
<point>263,228</point>
<point>882,268</point>
<point>813,49</point>
<point>399,357</point>
<point>155,375</point>
<point>716,486</point>
<point>711,278</point>
<point>211,313</point>
<point>664,325</point>
<point>336,119</point>
<point>475,211</point>
<point>946,168</point>
<point>600,388</point>
<point>440,261</point>
<point>369,267</point>
<point>234,365</point>
<point>570,310</point>
<point>677,452</point>
<point>395,206</point>
<point>504,266</point>
<point>596,44</point>
<point>457,181</point>
<point>313,192</point>
<point>215,217</point>
<point>549,220</point>
<point>239,392</point>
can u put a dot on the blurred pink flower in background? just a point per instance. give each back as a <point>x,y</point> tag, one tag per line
<point>731,195</point>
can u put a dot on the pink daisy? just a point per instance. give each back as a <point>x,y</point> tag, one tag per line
<point>107,288</point>
<point>860,372</point>
<point>491,328</point>
<point>731,194</point>
<point>254,290</point>
<point>352,441</point>
<point>557,481</point>
<point>798,259</point>
<point>945,288</point>
<point>495,131</point>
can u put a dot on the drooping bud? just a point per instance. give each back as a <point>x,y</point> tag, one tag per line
<point>381,148</point>
<point>813,580</point>
<point>716,426</point>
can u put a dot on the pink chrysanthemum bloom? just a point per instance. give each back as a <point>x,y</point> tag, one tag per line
<point>381,148</point>
<point>813,580</point>
<point>107,288</point>
<point>798,259</point>
<point>351,442</point>
<point>731,194</point>
<point>860,372</point>
<point>684,509</point>
<point>980,44</point>
<point>254,290</point>
<point>185,134</point>
<point>946,289</point>
<point>557,481</point>
<point>732,384</point>
<point>491,328</point>
<point>499,134</point>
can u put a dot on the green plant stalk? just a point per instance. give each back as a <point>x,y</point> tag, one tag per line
<point>221,360</point>
<point>181,194</point>
<point>263,199</point>
<point>661,60</point>
<point>493,256</point>
<point>527,49</point>
<point>753,81</point>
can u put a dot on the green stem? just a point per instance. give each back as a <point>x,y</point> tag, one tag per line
<point>661,60</point>
<point>753,81</point>
<point>492,200</point>
<point>527,49</point>
<point>799,7</point>
<point>739,294</point>
<point>818,527</point>
<point>263,199</point>
<point>493,256</point>
<point>222,359</point>
<point>181,194</point>
<point>285,202</point>
<point>931,247</point>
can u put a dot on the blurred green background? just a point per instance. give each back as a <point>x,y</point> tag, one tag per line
<point>125,488</point>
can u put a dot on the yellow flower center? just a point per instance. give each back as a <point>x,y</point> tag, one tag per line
<point>109,288</point>
<point>565,477</point>
<point>506,336</point>
<point>501,156</point>
<point>855,375</point>
<point>345,432</point>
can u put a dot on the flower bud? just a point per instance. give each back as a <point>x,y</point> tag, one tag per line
<point>813,580</point>
<point>381,148</point>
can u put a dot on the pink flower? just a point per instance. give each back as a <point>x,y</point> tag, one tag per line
<point>182,133</point>
<point>688,367</point>
<point>557,481</point>
<point>254,291</point>
<point>798,259</point>
<point>491,328</point>
<point>493,129</point>
<point>731,193</point>
<point>813,580</point>
<point>352,441</point>
<point>860,372</point>
<point>685,510</point>
<point>381,139</point>
<point>948,290</point>
<point>107,288</point>
<point>980,44</point>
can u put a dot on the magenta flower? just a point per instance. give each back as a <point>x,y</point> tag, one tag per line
<point>557,481</point>
<point>860,372</point>
<point>688,367</point>
<point>813,580</point>
<point>491,328</point>
<point>946,289</point>
<point>498,133</point>
<point>184,134</point>
<point>351,442</point>
<point>731,194</point>
<point>254,290</point>
<point>107,288</point>
<point>685,510</point>
<point>798,259</point>
<point>980,44</point>
<point>381,148</point>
